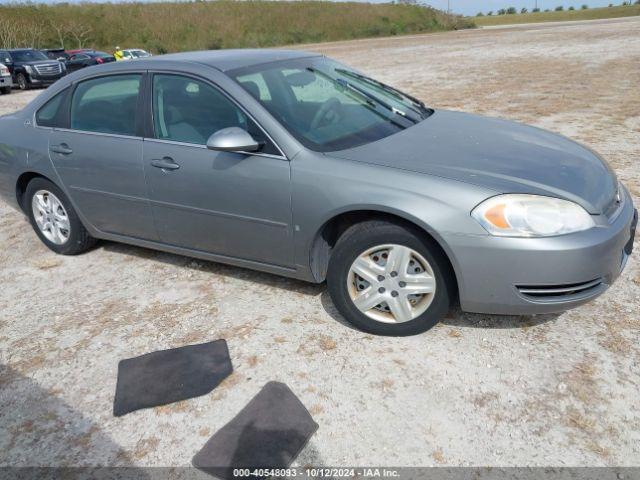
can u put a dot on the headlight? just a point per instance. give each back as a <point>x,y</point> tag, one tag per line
<point>28,68</point>
<point>515,215</point>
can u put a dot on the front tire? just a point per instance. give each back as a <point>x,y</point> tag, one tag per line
<point>388,279</point>
<point>21,80</point>
<point>5,90</point>
<point>54,220</point>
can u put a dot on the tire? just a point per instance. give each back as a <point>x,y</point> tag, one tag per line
<point>5,90</point>
<point>70,241</point>
<point>371,241</point>
<point>21,80</point>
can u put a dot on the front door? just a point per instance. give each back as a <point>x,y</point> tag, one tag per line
<point>231,204</point>
<point>99,157</point>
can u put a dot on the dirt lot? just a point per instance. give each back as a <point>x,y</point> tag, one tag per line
<point>476,390</point>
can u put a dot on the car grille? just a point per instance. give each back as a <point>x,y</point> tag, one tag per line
<point>560,292</point>
<point>49,69</point>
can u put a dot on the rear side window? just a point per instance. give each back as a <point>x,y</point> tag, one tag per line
<point>106,105</point>
<point>51,114</point>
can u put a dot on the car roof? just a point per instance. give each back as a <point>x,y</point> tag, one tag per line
<point>231,59</point>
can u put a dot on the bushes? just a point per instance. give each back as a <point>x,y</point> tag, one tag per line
<point>559,9</point>
<point>169,27</point>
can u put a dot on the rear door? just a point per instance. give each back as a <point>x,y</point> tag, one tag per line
<point>231,204</point>
<point>99,155</point>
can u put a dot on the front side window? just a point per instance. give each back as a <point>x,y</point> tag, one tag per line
<point>106,105</point>
<point>328,107</point>
<point>50,114</point>
<point>190,111</point>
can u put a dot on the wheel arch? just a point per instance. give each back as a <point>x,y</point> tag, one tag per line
<point>328,234</point>
<point>21,185</point>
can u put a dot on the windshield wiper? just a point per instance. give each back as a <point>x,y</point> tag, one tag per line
<point>423,111</point>
<point>369,96</point>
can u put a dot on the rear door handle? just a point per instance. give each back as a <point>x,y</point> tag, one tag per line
<point>165,163</point>
<point>62,149</point>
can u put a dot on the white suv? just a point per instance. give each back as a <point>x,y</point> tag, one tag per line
<point>5,79</point>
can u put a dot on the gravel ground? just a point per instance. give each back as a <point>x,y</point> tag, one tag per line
<point>557,390</point>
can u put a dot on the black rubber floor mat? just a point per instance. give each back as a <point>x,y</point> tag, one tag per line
<point>268,433</point>
<point>168,376</point>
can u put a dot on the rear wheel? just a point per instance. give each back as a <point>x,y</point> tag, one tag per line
<point>54,220</point>
<point>387,279</point>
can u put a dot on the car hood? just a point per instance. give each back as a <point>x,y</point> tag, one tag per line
<point>504,156</point>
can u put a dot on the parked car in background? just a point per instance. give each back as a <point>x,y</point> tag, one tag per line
<point>56,54</point>
<point>31,68</point>
<point>295,164</point>
<point>133,53</point>
<point>87,59</point>
<point>5,79</point>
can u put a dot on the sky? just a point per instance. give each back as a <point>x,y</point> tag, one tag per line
<point>468,7</point>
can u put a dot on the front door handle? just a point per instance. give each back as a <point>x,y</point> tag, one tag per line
<point>165,163</point>
<point>62,149</point>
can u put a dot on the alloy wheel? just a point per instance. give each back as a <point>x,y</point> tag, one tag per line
<point>391,283</point>
<point>51,217</point>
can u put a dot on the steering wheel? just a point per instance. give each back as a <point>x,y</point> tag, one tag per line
<point>328,112</point>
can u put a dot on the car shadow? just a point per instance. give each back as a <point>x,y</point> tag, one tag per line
<point>229,271</point>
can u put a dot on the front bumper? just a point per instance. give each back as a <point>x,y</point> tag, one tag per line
<point>37,79</point>
<point>517,276</point>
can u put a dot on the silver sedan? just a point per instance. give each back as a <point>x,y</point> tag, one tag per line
<point>291,163</point>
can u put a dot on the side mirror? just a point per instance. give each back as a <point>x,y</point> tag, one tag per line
<point>233,139</point>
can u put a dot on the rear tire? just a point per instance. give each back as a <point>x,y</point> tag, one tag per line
<point>58,224</point>
<point>397,261</point>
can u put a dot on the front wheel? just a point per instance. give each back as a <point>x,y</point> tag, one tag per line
<point>22,82</point>
<point>387,279</point>
<point>5,90</point>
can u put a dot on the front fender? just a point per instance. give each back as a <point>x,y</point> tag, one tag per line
<point>325,187</point>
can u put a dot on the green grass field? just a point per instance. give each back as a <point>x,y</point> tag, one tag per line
<point>170,27</point>
<point>566,15</point>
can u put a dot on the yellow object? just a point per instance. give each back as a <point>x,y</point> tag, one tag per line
<point>119,54</point>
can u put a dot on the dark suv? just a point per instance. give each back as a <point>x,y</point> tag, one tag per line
<point>31,68</point>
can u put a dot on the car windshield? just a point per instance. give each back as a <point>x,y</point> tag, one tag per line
<point>139,53</point>
<point>328,106</point>
<point>28,56</point>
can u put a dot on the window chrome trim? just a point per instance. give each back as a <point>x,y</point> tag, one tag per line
<point>97,134</point>
<point>204,147</point>
<point>211,83</point>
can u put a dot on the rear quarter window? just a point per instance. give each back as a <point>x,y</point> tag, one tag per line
<point>51,114</point>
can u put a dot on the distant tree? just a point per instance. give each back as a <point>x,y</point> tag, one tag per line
<point>624,4</point>
<point>611,4</point>
<point>502,11</point>
<point>511,11</point>
<point>586,7</point>
<point>571,8</point>
<point>535,10</point>
<point>524,10</point>
<point>490,12</point>
<point>547,10</point>
<point>560,8</point>
<point>480,14</point>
